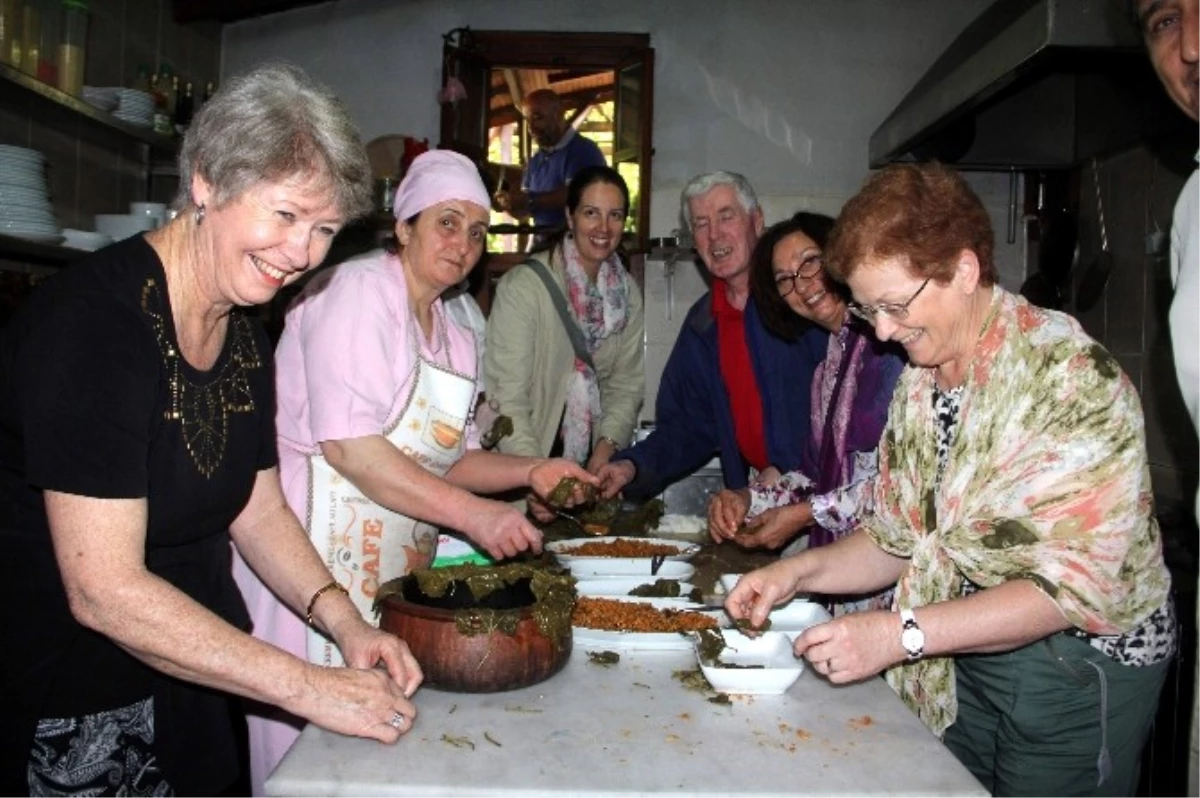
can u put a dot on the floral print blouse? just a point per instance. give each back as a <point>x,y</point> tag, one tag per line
<point>1046,479</point>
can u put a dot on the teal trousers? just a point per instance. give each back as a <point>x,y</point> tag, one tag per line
<point>1056,717</point>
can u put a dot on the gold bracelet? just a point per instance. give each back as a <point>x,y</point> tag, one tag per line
<point>320,592</point>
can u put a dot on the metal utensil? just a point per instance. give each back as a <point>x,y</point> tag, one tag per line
<point>579,523</point>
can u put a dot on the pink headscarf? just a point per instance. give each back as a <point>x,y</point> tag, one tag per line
<point>437,176</point>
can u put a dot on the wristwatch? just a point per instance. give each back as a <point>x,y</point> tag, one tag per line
<point>911,636</point>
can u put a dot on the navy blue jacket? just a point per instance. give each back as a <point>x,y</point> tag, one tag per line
<point>693,418</point>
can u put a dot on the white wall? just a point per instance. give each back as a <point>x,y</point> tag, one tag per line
<point>786,92</point>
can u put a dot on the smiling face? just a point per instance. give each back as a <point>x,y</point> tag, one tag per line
<point>941,327</point>
<point>1169,28</point>
<point>724,232</point>
<point>597,222</point>
<point>267,236</point>
<point>813,297</point>
<point>444,244</point>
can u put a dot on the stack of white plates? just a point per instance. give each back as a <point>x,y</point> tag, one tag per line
<point>85,239</point>
<point>135,107</point>
<point>103,97</point>
<point>25,209</point>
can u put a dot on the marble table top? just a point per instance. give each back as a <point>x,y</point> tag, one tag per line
<point>633,728</point>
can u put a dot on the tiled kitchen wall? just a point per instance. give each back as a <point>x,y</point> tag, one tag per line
<point>92,169</point>
<point>1138,190</point>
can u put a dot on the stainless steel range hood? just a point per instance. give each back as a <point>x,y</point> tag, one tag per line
<point>1030,84</point>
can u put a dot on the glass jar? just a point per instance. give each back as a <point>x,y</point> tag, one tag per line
<point>71,46</point>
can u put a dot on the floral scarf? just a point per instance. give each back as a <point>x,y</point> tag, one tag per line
<point>600,309</point>
<point>1046,479</point>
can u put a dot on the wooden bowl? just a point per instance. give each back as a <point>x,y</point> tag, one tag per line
<point>487,662</point>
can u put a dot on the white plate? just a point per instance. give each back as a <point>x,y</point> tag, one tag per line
<point>8,151</point>
<point>604,567</point>
<point>621,585</point>
<point>772,651</point>
<point>796,616</point>
<point>22,180</point>
<point>20,213</point>
<point>594,639</point>
<point>692,528</point>
<point>85,240</point>
<point>39,238</point>
<point>559,548</point>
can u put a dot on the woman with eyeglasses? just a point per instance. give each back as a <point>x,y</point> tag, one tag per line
<point>851,390</point>
<point>1033,623</point>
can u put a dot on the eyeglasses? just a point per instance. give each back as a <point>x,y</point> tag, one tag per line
<point>785,282</point>
<point>893,310</point>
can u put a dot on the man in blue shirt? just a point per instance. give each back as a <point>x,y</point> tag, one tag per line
<point>562,152</point>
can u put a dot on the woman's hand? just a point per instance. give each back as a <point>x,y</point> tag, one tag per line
<point>502,530</point>
<point>853,647</point>
<point>545,476</point>
<point>757,592</point>
<point>539,509</point>
<point>362,702</point>
<point>602,452</point>
<point>363,646</point>
<point>775,528</point>
<point>768,476</point>
<point>726,512</point>
<point>615,476</point>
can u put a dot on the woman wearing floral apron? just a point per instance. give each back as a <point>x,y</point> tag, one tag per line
<point>377,444</point>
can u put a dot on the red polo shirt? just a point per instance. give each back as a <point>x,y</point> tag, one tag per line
<point>738,376</point>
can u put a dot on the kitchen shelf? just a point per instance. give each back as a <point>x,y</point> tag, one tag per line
<point>32,87</point>
<point>25,251</point>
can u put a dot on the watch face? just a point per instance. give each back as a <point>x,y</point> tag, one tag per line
<point>913,640</point>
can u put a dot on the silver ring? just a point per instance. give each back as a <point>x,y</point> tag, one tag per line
<point>397,720</point>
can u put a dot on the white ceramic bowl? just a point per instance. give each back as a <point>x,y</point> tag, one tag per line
<point>603,567</point>
<point>122,225</point>
<point>85,239</point>
<point>157,211</point>
<point>621,585</point>
<point>562,548</point>
<point>772,668</point>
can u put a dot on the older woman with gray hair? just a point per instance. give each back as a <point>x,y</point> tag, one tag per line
<point>138,440</point>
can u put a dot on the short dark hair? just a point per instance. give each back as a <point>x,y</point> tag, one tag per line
<point>777,315</point>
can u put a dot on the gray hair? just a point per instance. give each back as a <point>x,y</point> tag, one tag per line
<point>702,184</point>
<point>273,123</point>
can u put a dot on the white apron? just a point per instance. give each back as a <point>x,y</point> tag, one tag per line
<point>365,544</point>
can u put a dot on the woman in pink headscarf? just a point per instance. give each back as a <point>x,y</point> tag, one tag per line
<point>377,445</point>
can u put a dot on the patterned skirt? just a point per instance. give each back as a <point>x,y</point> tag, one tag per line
<point>107,753</point>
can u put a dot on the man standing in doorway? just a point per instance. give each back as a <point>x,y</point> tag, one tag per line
<point>562,152</point>
<point>1170,30</point>
<point>729,387</point>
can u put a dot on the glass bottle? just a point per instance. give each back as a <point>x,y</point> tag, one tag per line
<point>162,120</point>
<point>71,52</point>
<point>142,81</point>
<point>31,36</point>
<point>183,109</point>
<point>10,32</point>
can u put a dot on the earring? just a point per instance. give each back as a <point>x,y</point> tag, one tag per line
<point>570,235</point>
<point>200,211</point>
